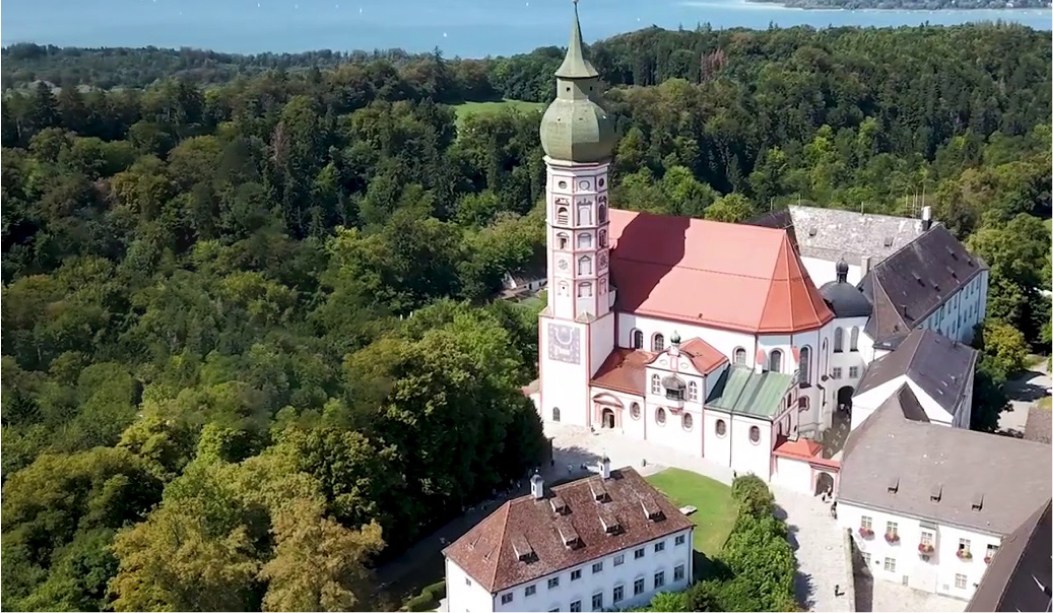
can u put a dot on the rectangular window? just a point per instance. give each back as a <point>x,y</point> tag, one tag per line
<point>619,593</point>
<point>575,575</point>
<point>506,598</point>
<point>866,522</point>
<point>959,581</point>
<point>926,538</point>
<point>530,590</point>
<point>619,559</point>
<point>597,602</point>
<point>575,607</point>
<point>678,573</point>
<point>553,583</point>
<point>853,372</point>
<point>890,565</point>
<point>638,586</point>
<point>638,554</point>
<point>681,539</point>
<point>964,545</point>
<point>659,579</point>
<point>659,546</point>
<point>597,567</point>
<point>991,551</point>
<point>835,373</point>
<point>892,530</point>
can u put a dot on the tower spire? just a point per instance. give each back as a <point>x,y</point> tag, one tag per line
<point>574,65</point>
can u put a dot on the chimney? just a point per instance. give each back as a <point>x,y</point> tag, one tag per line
<point>537,486</point>
<point>926,217</point>
<point>865,265</point>
<point>605,468</point>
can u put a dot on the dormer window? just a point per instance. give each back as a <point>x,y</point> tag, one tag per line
<point>674,388</point>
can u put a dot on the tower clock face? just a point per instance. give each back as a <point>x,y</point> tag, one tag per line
<point>564,343</point>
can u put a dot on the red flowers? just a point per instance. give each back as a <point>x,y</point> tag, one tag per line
<point>965,554</point>
<point>925,548</point>
<point>866,532</point>
<point>891,538</point>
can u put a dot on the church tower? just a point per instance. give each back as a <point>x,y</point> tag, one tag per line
<point>577,327</point>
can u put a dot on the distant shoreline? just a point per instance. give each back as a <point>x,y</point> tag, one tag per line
<point>884,5</point>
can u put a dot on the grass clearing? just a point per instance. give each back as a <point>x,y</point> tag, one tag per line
<point>496,106</point>
<point>716,512</point>
<point>1045,403</point>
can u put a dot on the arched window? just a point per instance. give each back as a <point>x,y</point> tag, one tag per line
<point>585,265</point>
<point>688,421</point>
<point>637,342</point>
<point>740,355</point>
<point>802,403</point>
<point>585,290</point>
<point>656,384</point>
<point>584,215</point>
<point>562,216</point>
<point>634,410</point>
<point>555,413</point>
<point>839,340</point>
<point>562,240</point>
<point>721,428</point>
<point>853,340</point>
<point>754,434</point>
<point>804,369</point>
<point>603,238</point>
<point>692,391</point>
<point>602,214</point>
<point>585,241</point>
<point>775,361</point>
<point>658,343</point>
<point>659,415</point>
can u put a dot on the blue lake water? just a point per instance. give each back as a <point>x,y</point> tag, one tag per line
<point>470,28</point>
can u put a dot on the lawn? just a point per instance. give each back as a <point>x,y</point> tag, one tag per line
<point>716,510</point>
<point>475,108</point>
<point>1045,403</point>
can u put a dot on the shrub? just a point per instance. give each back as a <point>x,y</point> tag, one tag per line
<point>753,496</point>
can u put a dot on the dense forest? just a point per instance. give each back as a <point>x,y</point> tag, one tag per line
<point>250,349</point>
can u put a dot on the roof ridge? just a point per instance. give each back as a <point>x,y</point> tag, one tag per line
<point>506,508</point>
<point>1032,522</point>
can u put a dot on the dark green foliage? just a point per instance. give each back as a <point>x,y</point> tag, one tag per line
<point>754,498</point>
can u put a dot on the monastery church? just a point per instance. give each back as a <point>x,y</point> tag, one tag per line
<point>712,338</point>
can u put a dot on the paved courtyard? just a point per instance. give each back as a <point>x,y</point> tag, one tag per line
<point>1023,392</point>
<point>889,596</point>
<point>817,543</point>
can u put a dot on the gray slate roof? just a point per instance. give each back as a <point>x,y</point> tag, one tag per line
<point>845,299</point>
<point>913,282</point>
<point>932,361</point>
<point>832,234</point>
<point>1039,425</point>
<point>1009,476</point>
<point>907,404</point>
<point>1019,576</point>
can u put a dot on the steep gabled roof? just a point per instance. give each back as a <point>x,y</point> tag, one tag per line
<point>524,539</point>
<point>932,361</point>
<point>731,276</point>
<point>913,282</point>
<point>1019,577</point>
<point>894,464</point>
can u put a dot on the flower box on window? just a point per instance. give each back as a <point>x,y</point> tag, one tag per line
<point>866,533</point>
<point>891,538</point>
<point>925,548</point>
<point>987,560</point>
<point>965,554</point>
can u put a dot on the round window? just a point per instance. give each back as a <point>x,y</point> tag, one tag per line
<point>602,182</point>
<point>722,428</point>
<point>583,185</point>
<point>754,434</point>
<point>659,415</point>
<point>688,421</point>
<point>563,185</point>
<point>634,411</point>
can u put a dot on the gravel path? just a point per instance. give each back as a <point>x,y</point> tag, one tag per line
<point>1023,392</point>
<point>817,542</point>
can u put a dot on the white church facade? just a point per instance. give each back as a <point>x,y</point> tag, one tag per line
<point>707,337</point>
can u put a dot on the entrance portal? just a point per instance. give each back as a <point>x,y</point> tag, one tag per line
<point>607,418</point>
<point>824,484</point>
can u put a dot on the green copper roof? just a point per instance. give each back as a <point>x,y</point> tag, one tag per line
<point>575,66</point>
<point>741,391</point>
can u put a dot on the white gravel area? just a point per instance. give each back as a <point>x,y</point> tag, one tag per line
<point>890,596</point>
<point>817,542</point>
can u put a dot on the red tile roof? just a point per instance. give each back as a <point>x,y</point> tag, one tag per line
<point>705,357</point>
<point>624,370</point>
<point>732,276</point>
<point>804,449</point>
<point>521,541</point>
